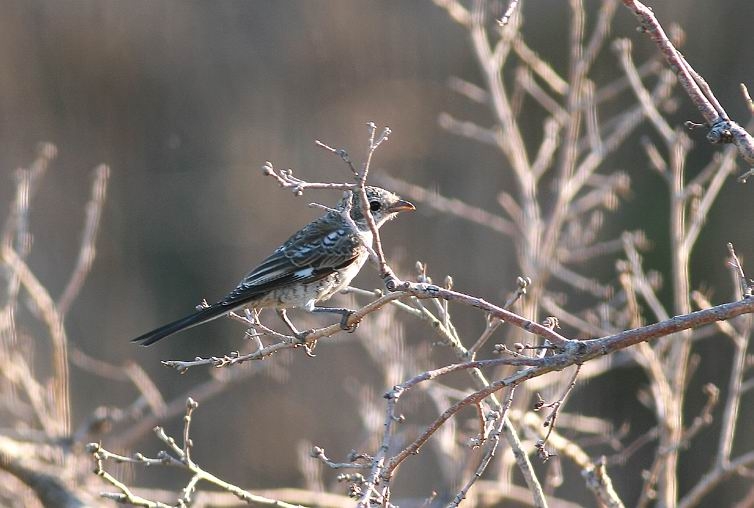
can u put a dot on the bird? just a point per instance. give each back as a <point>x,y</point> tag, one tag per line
<point>316,262</point>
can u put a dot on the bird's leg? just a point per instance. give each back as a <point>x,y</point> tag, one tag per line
<point>344,315</point>
<point>301,336</point>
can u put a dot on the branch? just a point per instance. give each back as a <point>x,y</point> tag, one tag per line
<point>578,352</point>
<point>176,456</point>
<point>234,358</point>
<point>49,489</point>
<point>54,321</point>
<point>721,128</point>
<point>87,251</point>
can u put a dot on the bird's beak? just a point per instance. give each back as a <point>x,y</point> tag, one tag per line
<point>401,206</point>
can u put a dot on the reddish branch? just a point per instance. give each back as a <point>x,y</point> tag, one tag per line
<point>570,352</point>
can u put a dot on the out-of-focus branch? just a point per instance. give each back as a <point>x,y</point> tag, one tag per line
<point>714,477</point>
<point>594,472</point>
<point>623,49</point>
<point>49,488</point>
<point>87,250</point>
<point>15,233</point>
<point>54,321</point>
<point>452,206</point>
<point>491,441</point>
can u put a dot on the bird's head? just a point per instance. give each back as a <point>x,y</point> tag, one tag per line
<point>383,204</point>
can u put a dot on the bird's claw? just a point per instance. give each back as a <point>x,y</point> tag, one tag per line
<point>309,349</point>
<point>301,336</point>
<point>344,322</point>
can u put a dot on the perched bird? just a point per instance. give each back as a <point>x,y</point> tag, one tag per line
<point>312,265</point>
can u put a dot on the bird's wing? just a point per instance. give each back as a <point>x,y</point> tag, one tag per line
<point>316,251</point>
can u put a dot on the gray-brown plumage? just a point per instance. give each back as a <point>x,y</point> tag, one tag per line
<point>312,265</point>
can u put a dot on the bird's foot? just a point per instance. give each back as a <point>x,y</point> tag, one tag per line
<point>301,336</point>
<point>309,349</point>
<point>301,341</point>
<point>344,322</point>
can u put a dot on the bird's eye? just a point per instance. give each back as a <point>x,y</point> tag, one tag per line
<point>374,205</point>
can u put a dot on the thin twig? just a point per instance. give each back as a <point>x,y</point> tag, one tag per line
<point>87,250</point>
<point>721,129</point>
<point>177,456</point>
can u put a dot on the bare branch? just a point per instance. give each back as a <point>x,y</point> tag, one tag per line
<point>177,456</point>
<point>87,250</point>
<point>721,128</point>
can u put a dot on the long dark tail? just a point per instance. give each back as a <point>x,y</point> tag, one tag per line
<point>197,318</point>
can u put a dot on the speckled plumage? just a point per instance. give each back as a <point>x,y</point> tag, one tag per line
<point>312,265</point>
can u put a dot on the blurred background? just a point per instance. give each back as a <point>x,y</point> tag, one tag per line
<point>186,100</point>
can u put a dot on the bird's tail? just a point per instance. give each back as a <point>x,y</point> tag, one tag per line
<point>197,318</point>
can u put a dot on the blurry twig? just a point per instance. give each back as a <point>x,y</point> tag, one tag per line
<point>87,250</point>
<point>744,285</point>
<point>54,322</point>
